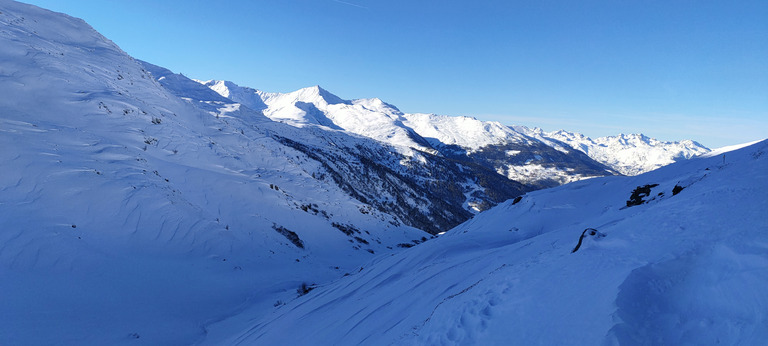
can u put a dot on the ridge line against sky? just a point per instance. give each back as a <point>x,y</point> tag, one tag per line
<point>672,70</point>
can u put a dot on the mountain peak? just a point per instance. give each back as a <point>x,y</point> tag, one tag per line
<point>317,93</point>
<point>377,104</point>
<point>249,97</point>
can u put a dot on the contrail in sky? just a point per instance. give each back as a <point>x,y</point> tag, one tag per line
<point>350,4</point>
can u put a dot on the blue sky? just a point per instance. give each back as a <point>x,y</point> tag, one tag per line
<point>669,69</point>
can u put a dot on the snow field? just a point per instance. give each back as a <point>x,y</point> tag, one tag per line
<point>130,215</point>
<point>688,268</point>
<point>137,206</point>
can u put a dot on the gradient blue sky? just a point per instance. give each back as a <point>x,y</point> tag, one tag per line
<point>669,69</point>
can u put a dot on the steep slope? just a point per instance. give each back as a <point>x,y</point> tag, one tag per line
<point>674,256</point>
<point>401,173</point>
<point>489,144</point>
<point>628,154</point>
<point>423,190</point>
<point>133,203</point>
<point>127,212</point>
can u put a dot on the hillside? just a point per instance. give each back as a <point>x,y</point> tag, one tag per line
<point>130,211</point>
<point>673,256</point>
<point>140,206</point>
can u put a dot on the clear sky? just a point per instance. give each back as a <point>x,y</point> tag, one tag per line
<point>669,69</point>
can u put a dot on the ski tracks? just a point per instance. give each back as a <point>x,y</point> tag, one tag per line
<point>475,311</point>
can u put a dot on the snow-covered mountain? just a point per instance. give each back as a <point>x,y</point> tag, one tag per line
<point>130,211</point>
<point>314,105</point>
<point>517,150</point>
<point>134,201</point>
<point>423,190</point>
<point>627,154</point>
<point>515,155</point>
<point>674,256</point>
<point>140,206</point>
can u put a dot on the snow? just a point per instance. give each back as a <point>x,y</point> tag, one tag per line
<point>465,132</point>
<point>689,268</point>
<point>450,135</point>
<point>131,215</point>
<point>369,118</point>
<point>138,206</point>
<point>723,150</point>
<point>441,135</point>
<point>532,172</point>
<point>628,154</point>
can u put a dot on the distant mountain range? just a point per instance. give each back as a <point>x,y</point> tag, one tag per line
<point>627,154</point>
<point>512,147</point>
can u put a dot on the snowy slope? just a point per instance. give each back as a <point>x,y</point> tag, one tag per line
<point>683,266</point>
<point>127,211</point>
<point>138,206</point>
<point>135,201</point>
<point>465,132</point>
<point>628,154</point>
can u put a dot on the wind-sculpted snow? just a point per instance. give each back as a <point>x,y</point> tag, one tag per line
<point>684,268</point>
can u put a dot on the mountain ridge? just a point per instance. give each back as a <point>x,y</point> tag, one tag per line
<point>626,154</point>
<point>630,154</point>
<point>517,156</point>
